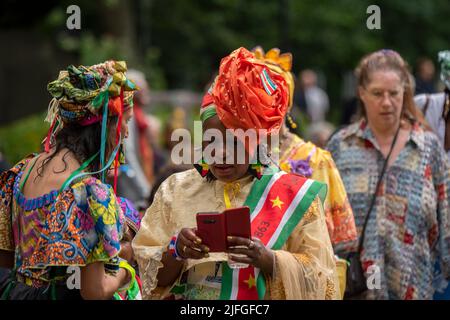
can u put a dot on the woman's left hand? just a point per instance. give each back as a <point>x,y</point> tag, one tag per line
<point>255,253</point>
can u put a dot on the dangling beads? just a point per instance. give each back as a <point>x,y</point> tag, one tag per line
<point>292,124</point>
<point>202,168</point>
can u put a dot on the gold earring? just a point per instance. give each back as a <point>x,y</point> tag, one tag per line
<point>292,124</point>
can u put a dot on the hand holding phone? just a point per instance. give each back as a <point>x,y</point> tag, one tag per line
<point>211,228</point>
<point>214,227</point>
<point>190,246</point>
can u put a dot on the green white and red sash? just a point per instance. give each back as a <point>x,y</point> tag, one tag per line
<point>277,204</point>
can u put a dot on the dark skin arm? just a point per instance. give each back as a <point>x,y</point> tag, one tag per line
<point>169,273</point>
<point>6,259</point>
<point>96,284</point>
<point>189,247</point>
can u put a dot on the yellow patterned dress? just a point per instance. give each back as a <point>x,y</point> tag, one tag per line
<point>305,158</point>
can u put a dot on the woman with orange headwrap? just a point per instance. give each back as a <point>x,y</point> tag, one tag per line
<point>305,158</point>
<point>299,156</point>
<point>290,257</point>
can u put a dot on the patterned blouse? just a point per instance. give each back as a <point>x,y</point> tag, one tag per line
<point>81,225</point>
<point>409,228</point>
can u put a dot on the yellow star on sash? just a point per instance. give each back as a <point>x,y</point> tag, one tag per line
<point>251,282</point>
<point>277,202</point>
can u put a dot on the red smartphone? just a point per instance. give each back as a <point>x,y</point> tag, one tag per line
<point>211,228</point>
<point>238,222</point>
<point>214,227</point>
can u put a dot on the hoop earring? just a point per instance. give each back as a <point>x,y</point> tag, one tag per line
<point>256,169</point>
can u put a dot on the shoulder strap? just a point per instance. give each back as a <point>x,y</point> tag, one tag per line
<point>446,116</point>
<point>427,104</point>
<point>374,197</point>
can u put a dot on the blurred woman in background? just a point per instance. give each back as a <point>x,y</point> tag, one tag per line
<point>397,177</point>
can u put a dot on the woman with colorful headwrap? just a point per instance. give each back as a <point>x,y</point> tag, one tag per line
<point>289,258</point>
<point>60,224</point>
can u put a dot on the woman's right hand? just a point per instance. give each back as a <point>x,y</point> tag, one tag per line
<point>189,245</point>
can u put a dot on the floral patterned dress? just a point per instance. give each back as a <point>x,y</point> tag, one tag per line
<point>79,226</point>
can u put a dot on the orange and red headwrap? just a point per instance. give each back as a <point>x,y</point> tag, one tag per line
<point>247,94</point>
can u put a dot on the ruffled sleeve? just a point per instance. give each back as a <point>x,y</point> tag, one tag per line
<point>85,226</point>
<point>6,195</point>
<point>321,167</point>
<point>338,212</point>
<point>157,227</point>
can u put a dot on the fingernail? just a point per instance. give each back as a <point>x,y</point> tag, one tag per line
<point>206,255</point>
<point>198,241</point>
<point>230,238</point>
<point>206,249</point>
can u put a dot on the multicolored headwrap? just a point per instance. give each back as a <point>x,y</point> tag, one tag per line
<point>78,92</point>
<point>247,94</point>
<point>444,60</point>
<point>279,63</point>
<point>87,95</point>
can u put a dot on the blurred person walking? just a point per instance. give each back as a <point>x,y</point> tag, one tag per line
<point>425,72</point>
<point>436,107</point>
<point>143,157</point>
<point>312,99</point>
<point>397,178</point>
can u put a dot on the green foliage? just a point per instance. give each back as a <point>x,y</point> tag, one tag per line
<point>94,50</point>
<point>22,137</point>
<point>179,44</point>
<point>327,35</point>
<point>152,69</point>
